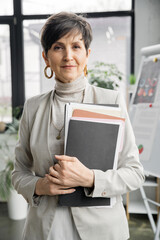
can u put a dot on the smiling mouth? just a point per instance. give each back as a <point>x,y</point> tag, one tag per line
<point>68,66</point>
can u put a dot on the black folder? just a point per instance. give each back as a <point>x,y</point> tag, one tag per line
<point>94,144</point>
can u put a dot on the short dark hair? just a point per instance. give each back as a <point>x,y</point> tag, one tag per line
<point>58,25</point>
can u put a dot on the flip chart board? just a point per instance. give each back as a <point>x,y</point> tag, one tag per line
<point>144,110</point>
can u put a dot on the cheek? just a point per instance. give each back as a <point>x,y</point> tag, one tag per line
<point>54,60</point>
<point>82,60</point>
<point>54,64</point>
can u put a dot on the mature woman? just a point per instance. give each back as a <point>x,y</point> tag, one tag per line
<point>65,40</point>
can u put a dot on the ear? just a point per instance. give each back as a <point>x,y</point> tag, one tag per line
<point>89,51</point>
<point>45,58</point>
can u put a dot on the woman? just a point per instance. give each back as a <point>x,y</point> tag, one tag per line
<point>65,39</point>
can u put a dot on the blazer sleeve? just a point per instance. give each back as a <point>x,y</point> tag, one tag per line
<point>23,178</point>
<point>129,175</point>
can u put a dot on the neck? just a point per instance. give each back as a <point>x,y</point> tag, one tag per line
<point>75,86</point>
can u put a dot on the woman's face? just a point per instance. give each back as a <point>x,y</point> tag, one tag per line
<point>67,57</point>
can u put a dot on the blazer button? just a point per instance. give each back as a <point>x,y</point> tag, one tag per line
<point>103,194</point>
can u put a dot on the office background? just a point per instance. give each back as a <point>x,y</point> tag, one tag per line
<point>120,29</point>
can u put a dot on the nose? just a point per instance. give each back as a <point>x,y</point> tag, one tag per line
<point>68,56</point>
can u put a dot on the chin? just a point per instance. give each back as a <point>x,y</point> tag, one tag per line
<point>68,79</point>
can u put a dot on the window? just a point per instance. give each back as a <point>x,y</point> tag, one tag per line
<point>6,8</point>
<point>5,74</point>
<point>21,62</point>
<point>47,6</point>
<point>111,40</point>
<point>35,82</point>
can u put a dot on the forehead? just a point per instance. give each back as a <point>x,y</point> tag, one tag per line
<point>72,36</point>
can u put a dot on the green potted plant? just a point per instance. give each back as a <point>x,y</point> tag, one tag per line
<point>132,79</point>
<point>105,75</point>
<point>5,174</point>
<point>131,86</point>
<point>17,206</point>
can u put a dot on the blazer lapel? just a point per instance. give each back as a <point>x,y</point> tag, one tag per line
<point>40,134</point>
<point>49,126</point>
<point>89,96</point>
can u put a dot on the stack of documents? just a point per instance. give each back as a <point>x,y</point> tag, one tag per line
<point>93,134</point>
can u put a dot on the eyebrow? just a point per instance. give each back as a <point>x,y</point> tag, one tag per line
<point>78,41</point>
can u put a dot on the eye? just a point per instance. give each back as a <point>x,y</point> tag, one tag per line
<point>76,46</point>
<point>56,48</point>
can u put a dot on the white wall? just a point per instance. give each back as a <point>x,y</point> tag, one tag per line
<point>147,26</point>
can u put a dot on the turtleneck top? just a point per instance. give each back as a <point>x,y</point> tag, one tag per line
<point>63,227</point>
<point>66,92</point>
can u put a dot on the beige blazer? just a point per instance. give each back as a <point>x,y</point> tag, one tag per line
<point>33,160</point>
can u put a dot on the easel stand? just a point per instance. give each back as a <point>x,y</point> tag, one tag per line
<point>144,114</point>
<point>156,229</point>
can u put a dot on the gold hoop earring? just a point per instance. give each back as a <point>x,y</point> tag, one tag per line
<point>85,71</point>
<point>45,73</point>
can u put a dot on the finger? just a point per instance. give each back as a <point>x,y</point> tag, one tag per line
<point>54,170</point>
<point>71,190</point>
<point>50,169</point>
<point>65,158</point>
<point>53,179</point>
<point>57,167</point>
<point>59,185</point>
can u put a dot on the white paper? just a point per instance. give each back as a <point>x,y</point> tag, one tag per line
<point>109,110</point>
<point>144,125</point>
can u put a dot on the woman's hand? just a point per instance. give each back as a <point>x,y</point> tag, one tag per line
<point>70,172</point>
<point>46,187</point>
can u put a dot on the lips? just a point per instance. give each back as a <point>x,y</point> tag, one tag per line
<point>68,66</point>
